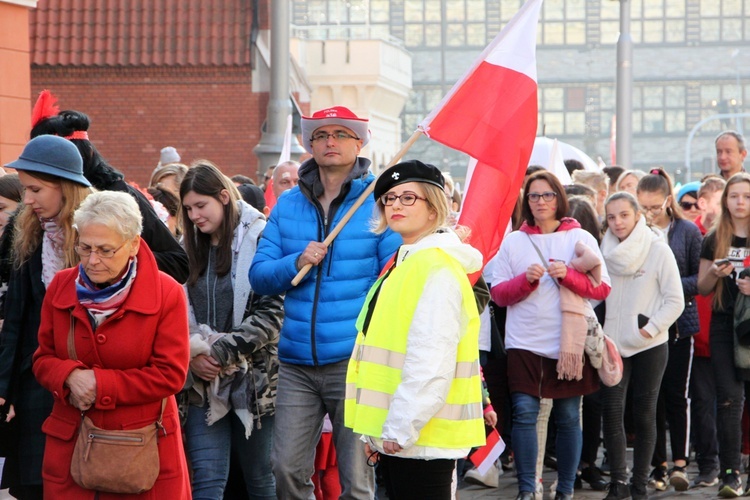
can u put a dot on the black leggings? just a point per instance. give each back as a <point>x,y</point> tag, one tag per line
<point>645,371</point>
<point>409,478</point>
<point>674,404</point>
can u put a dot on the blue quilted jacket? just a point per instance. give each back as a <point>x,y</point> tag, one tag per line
<point>685,241</point>
<point>320,312</point>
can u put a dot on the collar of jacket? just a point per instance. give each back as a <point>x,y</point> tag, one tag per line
<point>145,296</point>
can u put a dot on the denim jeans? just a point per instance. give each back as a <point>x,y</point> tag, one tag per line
<point>209,449</point>
<point>568,443</point>
<point>645,370</point>
<point>730,392</point>
<point>305,394</point>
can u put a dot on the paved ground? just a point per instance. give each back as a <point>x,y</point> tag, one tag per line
<point>509,489</point>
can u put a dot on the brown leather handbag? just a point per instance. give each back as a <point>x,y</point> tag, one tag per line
<point>115,461</point>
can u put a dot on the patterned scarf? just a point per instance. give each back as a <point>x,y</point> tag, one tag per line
<point>53,258</point>
<point>102,302</point>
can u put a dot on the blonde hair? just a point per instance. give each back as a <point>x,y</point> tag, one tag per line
<point>436,201</point>
<point>638,174</point>
<point>28,232</point>
<point>177,169</point>
<point>596,180</point>
<point>724,230</point>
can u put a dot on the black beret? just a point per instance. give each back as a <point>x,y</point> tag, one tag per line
<point>408,171</point>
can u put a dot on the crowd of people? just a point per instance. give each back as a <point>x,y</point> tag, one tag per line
<point>273,363</point>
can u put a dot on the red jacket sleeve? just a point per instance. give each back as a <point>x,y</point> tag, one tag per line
<point>580,284</point>
<point>50,371</point>
<point>511,292</point>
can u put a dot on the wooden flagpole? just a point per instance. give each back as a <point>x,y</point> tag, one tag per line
<point>367,192</point>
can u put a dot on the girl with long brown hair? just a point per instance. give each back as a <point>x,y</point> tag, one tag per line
<point>723,256</point>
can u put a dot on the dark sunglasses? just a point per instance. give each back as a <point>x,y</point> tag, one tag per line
<point>688,205</point>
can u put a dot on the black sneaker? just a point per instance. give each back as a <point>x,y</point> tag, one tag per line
<point>618,491</point>
<point>658,478</point>
<point>593,476</point>
<point>638,492</point>
<point>577,484</point>
<point>731,485</point>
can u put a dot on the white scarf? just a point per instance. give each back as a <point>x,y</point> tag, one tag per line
<point>624,258</point>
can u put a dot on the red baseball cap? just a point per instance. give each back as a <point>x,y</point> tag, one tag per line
<point>337,115</point>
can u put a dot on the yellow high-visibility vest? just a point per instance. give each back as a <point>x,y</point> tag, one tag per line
<point>374,371</point>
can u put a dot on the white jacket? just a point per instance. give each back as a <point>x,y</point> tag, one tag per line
<point>436,328</point>
<point>645,280</point>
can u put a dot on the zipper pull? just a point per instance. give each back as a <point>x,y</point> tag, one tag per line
<point>89,442</point>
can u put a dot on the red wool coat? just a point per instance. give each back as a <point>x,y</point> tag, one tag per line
<point>139,355</point>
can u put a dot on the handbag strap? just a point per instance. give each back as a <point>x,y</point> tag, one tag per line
<point>71,339</point>
<point>541,257</point>
<point>538,252</point>
<point>72,355</point>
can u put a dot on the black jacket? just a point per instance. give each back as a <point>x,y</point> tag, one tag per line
<point>685,240</point>
<point>32,402</point>
<point>170,256</point>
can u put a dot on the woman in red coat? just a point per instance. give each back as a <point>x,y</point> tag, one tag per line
<point>131,341</point>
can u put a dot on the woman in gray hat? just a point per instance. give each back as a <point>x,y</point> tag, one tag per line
<point>50,169</point>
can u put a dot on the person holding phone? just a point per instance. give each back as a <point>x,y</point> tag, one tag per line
<point>646,299</point>
<point>723,256</point>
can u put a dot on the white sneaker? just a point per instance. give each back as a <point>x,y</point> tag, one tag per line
<point>491,479</point>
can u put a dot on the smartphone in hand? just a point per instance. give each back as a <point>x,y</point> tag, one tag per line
<point>721,262</point>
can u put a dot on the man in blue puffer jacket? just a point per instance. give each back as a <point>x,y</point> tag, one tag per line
<point>318,333</point>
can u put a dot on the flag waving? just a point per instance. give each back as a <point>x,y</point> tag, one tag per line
<point>491,115</point>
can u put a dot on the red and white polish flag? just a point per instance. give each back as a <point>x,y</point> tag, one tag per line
<point>484,457</point>
<point>491,115</point>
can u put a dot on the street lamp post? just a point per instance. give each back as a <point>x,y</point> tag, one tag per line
<point>279,105</point>
<point>624,88</point>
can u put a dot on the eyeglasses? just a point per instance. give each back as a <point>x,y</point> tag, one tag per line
<point>655,210</point>
<point>546,196</point>
<point>688,205</point>
<point>406,199</point>
<point>339,136</point>
<point>86,251</point>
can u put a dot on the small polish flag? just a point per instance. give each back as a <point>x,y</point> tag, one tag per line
<point>485,456</point>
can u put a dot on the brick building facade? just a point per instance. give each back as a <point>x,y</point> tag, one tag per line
<point>163,73</point>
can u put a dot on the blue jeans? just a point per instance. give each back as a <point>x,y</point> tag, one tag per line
<point>305,394</point>
<point>209,449</point>
<point>568,443</point>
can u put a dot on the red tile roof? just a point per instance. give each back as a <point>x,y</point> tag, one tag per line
<point>141,32</point>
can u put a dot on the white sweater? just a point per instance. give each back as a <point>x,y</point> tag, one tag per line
<point>645,280</point>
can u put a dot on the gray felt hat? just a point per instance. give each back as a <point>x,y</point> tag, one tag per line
<point>52,155</point>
